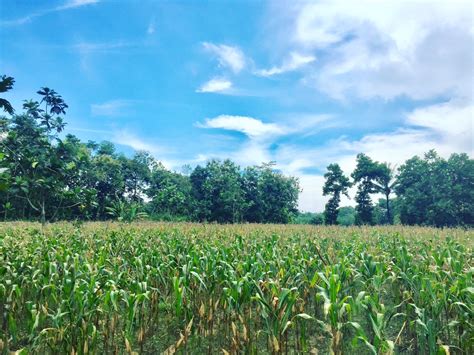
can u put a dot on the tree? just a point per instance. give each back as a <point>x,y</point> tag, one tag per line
<point>364,175</point>
<point>435,191</point>
<point>380,211</point>
<point>6,84</point>
<point>346,216</point>
<point>106,178</point>
<point>217,192</point>
<point>383,183</point>
<point>36,169</point>
<point>137,174</point>
<point>335,185</point>
<point>251,185</point>
<point>276,195</point>
<point>170,192</point>
<point>308,218</point>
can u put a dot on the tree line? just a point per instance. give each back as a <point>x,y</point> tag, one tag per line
<point>429,190</point>
<point>47,175</point>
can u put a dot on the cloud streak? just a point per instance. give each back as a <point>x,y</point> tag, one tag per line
<point>294,62</point>
<point>112,108</point>
<point>217,85</point>
<point>128,139</point>
<point>72,4</point>
<point>228,56</point>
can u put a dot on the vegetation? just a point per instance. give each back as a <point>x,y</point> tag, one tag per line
<point>187,288</point>
<point>48,175</point>
<point>430,191</point>
<point>336,184</point>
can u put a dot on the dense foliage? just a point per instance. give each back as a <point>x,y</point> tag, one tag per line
<point>150,288</point>
<point>429,191</point>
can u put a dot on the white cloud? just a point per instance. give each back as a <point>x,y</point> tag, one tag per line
<point>421,49</point>
<point>111,108</point>
<point>72,4</point>
<point>76,3</point>
<point>215,85</point>
<point>252,127</point>
<point>294,62</point>
<point>228,56</point>
<point>453,122</point>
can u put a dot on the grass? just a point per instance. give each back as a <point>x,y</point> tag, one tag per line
<point>152,288</point>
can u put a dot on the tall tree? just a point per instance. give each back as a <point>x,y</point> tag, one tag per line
<point>336,184</point>
<point>364,175</point>
<point>36,169</point>
<point>383,183</point>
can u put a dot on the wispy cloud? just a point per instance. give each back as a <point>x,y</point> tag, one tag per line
<point>216,85</point>
<point>255,128</point>
<point>71,4</point>
<point>294,62</point>
<point>112,108</point>
<point>94,47</point>
<point>89,130</point>
<point>228,56</point>
<point>128,139</point>
<point>252,127</point>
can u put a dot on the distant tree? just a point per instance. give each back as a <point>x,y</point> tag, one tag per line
<point>435,191</point>
<point>308,218</point>
<point>106,178</point>
<point>383,183</point>
<point>217,192</point>
<point>251,186</point>
<point>278,195</point>
<point>380,211</point>
<point>365,174</point>
<point>137,174</point>
<point>170,192</point>
<point>346,216</point>
<point>336,184</point>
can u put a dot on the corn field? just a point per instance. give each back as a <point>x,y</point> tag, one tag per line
<point>239,289</point>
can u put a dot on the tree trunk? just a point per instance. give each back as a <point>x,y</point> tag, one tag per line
<point>43,214</point>
<point>387,201</point>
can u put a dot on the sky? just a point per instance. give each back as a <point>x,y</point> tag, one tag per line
<point>303,84</point>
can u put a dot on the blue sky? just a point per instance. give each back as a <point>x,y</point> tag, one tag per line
<point>300,83</point>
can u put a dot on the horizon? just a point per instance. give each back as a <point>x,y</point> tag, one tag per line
<point>304,85</point>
